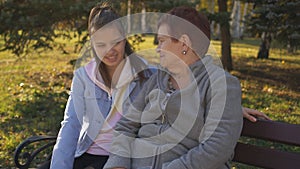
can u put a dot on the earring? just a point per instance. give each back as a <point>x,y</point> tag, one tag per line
<point>184,52</point>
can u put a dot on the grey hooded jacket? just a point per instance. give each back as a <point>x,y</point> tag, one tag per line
<point>194,128</point>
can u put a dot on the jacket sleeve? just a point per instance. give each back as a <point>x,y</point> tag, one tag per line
<point>222,127</point>
<point>126,132</point>
<point>64,150</point>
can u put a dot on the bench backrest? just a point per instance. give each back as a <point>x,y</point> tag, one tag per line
<point>244,153</point>
<point>269,157</point>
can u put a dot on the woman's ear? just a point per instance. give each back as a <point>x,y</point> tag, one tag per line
<point>186,42</point>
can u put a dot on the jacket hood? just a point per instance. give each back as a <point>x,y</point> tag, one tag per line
<point>133,65</point>
<point>197,68</point>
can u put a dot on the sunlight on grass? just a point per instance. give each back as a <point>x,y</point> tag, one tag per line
<point>33,93</point>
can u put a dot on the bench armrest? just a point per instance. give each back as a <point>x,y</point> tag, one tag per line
<point>23,159</point>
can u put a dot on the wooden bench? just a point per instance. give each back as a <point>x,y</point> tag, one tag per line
<point>279,132</point>
<point>245,153</point>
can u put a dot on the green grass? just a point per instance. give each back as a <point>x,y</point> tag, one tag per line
<point>34,90</point>
<point>33,93</point>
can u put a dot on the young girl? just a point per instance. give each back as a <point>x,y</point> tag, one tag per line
<point>99,91</point>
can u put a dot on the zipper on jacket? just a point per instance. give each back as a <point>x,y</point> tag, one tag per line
<point>109,96</point>
<point>155,161</point>
<point>163,107</point>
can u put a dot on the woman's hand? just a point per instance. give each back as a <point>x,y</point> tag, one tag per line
<point>252,114</point>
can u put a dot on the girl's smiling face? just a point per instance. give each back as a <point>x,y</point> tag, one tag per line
<point>109,45</point>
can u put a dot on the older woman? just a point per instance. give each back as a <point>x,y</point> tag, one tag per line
<point>189,113</point>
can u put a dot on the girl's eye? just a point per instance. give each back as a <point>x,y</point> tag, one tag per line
<point>116,43</point>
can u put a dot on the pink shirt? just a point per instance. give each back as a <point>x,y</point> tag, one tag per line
<point>102,143</point>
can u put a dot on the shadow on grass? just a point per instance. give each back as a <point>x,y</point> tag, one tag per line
<point>44,112</point>
<point>271,71</point>
<point>247,41</point>
<point>39,110</point>
<point>271,87</point>
<point>40,116</point>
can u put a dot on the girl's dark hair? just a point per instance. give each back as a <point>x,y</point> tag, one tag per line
<point>101,15</point>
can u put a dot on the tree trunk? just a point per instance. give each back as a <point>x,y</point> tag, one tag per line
<point>218,32</point>
<point>225,38</point>
<point>235,20</point>
<point>291,48</point>
<point>264,48</point>
<point>143,18</point>
<point>243,20</point>
<point>212,10</point>
<point>128,16</point>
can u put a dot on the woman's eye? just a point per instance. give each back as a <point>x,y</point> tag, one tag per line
<point>100,45</point>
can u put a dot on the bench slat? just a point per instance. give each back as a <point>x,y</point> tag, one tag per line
<point>273,131</point>
<point>264,157</point>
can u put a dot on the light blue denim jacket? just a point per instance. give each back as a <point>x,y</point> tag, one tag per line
<point>86,110</point>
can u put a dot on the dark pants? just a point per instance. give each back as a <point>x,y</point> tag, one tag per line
<point>89,160</point>
<point>84,161</point>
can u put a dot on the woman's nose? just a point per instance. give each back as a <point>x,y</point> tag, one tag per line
<point>158,49</point>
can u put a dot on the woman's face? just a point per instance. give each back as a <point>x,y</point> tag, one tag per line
<point>109,45</point>
<point>169,50</point>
